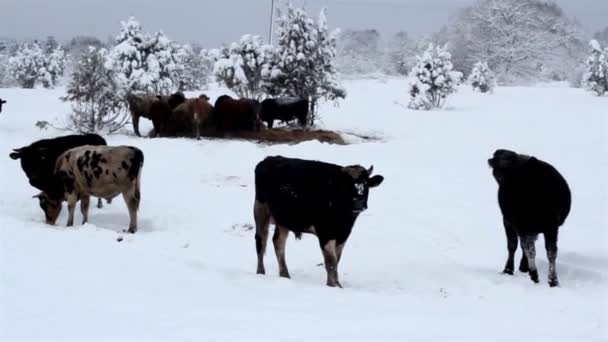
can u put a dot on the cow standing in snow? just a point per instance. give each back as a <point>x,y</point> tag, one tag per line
<point>102,171</point>
<point>313,197</point>
<point>284,109</point>
<point>534,199</point>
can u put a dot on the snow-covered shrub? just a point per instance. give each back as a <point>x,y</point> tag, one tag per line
<point>26,65</point>
<point>595,79</point>
<point>96,97</point>
<point>239,66</point>
<point>144,63</point>
<point>305,63</point>
<point>194,73</point>
<point>482,78</point>
<point>433,79</point>
<point>30,65</point>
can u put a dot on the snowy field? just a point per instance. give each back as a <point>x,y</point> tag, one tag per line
<point>423,263</point>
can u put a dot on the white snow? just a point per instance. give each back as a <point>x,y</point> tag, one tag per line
<point>423,262</point>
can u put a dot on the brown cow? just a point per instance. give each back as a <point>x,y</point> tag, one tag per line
<point>231,115</point>
<point>161,110</point>
<point>140,106</point>
<point>190,116</point>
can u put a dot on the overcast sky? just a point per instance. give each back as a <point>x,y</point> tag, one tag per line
<point>212,22</point>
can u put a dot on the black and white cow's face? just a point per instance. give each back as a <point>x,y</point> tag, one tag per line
<point>358,185</point>
<point>504,162</point>
<point>50,206</point>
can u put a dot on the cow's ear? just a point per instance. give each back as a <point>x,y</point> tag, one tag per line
<point>375,181</point>
<point>15,155</point>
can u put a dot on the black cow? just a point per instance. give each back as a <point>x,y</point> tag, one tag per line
<point>534,199</point>
<point>284,109</point>
<point>1,103</point>
<point>304,196</point>
<point>38,159</point>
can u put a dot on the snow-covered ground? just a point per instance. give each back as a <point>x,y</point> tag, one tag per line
<point>423,263</point>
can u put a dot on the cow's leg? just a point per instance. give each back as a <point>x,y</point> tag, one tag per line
<point>132,197</point>
<point>527,243</point>
<point>71,199</point>
<point>331,262</point>
<point>84,208</point>
<point>261,214</point>
<point>523,262</point>
<point>99,203</point>
<point>135,119</point>
<point>511,247</point>
<point>270,123</point>
<point>551,247</point>
<point>279,239</point>
<point>339,249</point>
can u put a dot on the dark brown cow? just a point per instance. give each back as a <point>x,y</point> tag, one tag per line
<point>140,106</point>
<point>161,110</point>
<point>191,116</point>
<point>231,115</point>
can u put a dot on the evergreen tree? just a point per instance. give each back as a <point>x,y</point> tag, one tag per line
<point>96,96</point>
<point>433,79</point>
<point>25,67</point>
<point>305,62</point>
<point>240,66</point>
<point>595,79</point>
<point>482,78</point>
<point>195,71</point>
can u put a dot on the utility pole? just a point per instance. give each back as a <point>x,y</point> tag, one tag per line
<point>271,21</point>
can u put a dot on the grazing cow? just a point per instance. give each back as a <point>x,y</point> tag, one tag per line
<point>231,115</point>
<point>284,109</point>
<point>38,159</point>
<point>534,199</point>
<point>1,103</point>
<point>102,171</point>
<point>190,116</point>
<point>160,113</point>
<point>140,106</point>
<point>304,196</point>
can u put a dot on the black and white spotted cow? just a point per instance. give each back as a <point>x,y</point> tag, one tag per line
<point>304,196</point>
<point>102,171</point>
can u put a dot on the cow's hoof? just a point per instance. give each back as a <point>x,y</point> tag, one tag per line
<point>508,271</point>
<point>553,282</point>
<point>260,270</point>
<point>132,230</point>
<point>334,284</point>
<point>534,276</point>
<point>284,275</point>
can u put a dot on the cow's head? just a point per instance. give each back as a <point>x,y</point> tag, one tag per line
<point>36,162</point>
<point>50,206</point>
<point>504,162</point>
<point>358,184</point>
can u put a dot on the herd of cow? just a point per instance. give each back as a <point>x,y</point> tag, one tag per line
<point>299,196</point>
<point>176,115</point>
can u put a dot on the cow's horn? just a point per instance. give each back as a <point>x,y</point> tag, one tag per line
<point>370,170</point>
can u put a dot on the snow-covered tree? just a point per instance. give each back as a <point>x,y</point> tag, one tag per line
<point>305,63</point>
<point>194,73</point>
<point>482,78</point>
<point>433,79</point>
<point>96,97</point>
<point>521,40</point>
<point>239,66</point>
<point>595,79</point>
<point>359,52</point>
<point>163,64</point>
<point>54,67</point>
<point>27,64</point>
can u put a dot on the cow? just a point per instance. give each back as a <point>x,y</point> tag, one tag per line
<point>284,109</point>
<point>102,171</point>
<point>139,106</point>
<point>232,115</point>
<point>160,113</point>
<point>534,198</point>
<point>305,196</point>
<point>191,116</point>
<point>1,103</point>
<point>38,159</point>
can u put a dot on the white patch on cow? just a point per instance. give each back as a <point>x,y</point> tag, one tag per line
<point>360,189</point>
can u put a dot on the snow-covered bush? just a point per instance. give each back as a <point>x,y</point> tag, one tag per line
<point>433,79</point>
<point>595,79</point>
<point>144,63</point>
<point>482,78</point>
<point>30,65</point>
<point>305,63</point>
<point>194,73</point>
<point>239,66</point>
<point>95,95</point>
<point>26,65</point>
